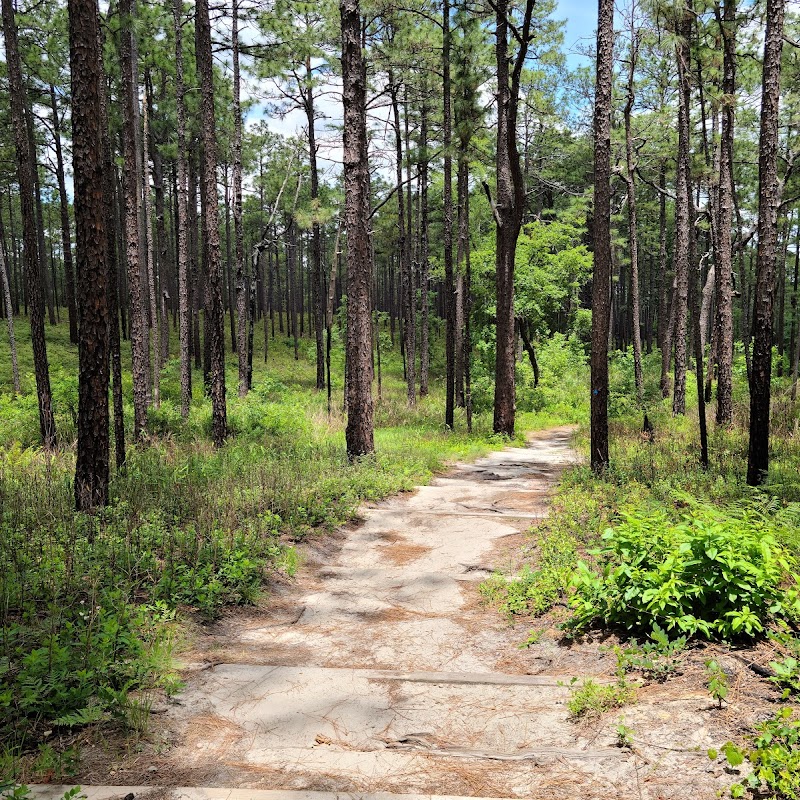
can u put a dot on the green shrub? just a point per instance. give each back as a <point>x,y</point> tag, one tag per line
<point>656,659</point>
<point>716,575</point>
<point>774,757</point>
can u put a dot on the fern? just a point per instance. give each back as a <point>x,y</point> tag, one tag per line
<point>84,716</point>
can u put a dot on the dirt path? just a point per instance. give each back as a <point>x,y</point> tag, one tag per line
<point>379,671</point>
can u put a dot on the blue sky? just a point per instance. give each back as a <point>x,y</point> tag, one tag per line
<point>581,17</point>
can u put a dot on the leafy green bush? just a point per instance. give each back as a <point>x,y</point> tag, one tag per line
<point>710,574</point>
<point>774,757</point>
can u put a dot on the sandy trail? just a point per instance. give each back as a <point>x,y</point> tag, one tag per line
<point>379,673</point>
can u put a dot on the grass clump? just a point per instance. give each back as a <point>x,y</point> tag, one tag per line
<point>535,589</point>
<point>591,700</point>
<point>716,574</point>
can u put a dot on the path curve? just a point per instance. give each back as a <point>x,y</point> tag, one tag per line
<point>379,674</point>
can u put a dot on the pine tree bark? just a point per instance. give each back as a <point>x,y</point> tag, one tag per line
<point>795,339</point>
<point>154,333</point>
<point>449,286</point>
<point>317,290</point>
<point>424,278</point>
<point>69,270</point>
<point>213,259</point>
<point>47,279</point>
<point>238,229</point>
<point>601,231</point>
<point>25,179</point>
<point>9,307</point>
<point>462,226</point>
<point>161,243</point>
<point>633,225</point>
<point>131,184</point>
<point>404,254</point>
<point>665,327</point>
<point>92,461</point>
<point>184,310</point>
<point>111,201</point>
<point>358,380</point>
<point>724,276</point>
<point>766,258</point>
<point>682,203</point>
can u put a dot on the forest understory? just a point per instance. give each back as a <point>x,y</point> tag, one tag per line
<point>109,615</point>
<point>400,398</point>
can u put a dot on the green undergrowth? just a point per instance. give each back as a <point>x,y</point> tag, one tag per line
<point>590,699</point>
<point>90,604</point>
<point>659,541</point>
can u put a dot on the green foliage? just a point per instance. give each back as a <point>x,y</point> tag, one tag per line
<point>12,791</point>
<point>714,574</point>
<point>535,590</point>
<point>656,659</point>
<point>624,735</point>
<point>82,663</point>
<point>591,700</point>
<point>787,675</point>
<point>563,382</point>
<point>773,754</point>
<point>717,683</point>
<point>552,264</point>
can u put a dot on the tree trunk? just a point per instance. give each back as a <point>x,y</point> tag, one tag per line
<point>161,242</point>
<point>25,179</point>
<point>69,272</point>
<point>632,219</point>
<point>724,316</point>
<point>359,431</point>
<point>131,190</point>
<point>211,248</point>
<point>449,287</point>
<point>47,280</point>
<point>424,278</point>
<point>154,335</point>
<point>404,255</point>
<point>317,292</point>
<point>92,458</point>
<point>601,230</point>
<point>111,202</point>
<point>665,328</point>
<point>682,203</point>
<point>508,211</point>
<point>766,259</point>
<point>238,228</point>
<point>796,316</point>
<point>695,278</point>
<point>12,343</point>
<point>184,317</point>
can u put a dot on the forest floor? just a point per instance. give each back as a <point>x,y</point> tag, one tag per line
<point>380,668</point>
